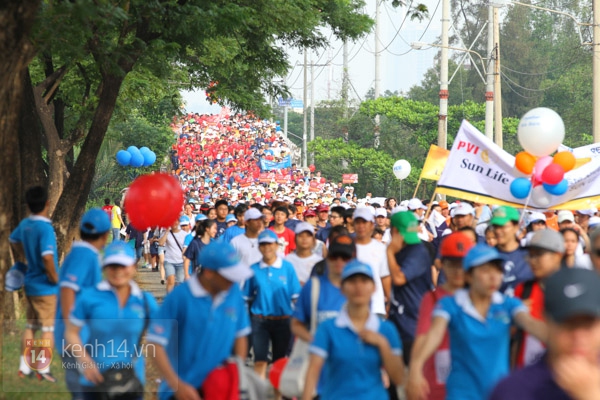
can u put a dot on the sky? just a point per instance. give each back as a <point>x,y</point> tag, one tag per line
<point>401,66</point>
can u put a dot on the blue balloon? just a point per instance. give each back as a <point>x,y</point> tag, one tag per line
<point>137,160</point>
<point>520,188</point>
<point>144,149</point>
<point>559,189</point>
<point>132,149</point>
<point>149,158</point>
<point>123,158</point>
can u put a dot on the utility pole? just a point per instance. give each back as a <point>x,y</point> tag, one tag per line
<point>304,99</point>
<point>443,116</point>
<point>312,105</point>
<point>345,80</point>
<point>491,69</point>
<point>596,71</point>
<point>377,65</point>
<point>497,86</point>
<point>285,120</point>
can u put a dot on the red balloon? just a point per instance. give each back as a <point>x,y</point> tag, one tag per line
<point>154,200</point>
<point>311,168</point>
<point>553,174</point>
<point>276,370</point>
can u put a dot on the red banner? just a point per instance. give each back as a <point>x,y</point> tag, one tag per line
<point>246,182</point>
<point>350,178</point>
<point>283,179</point>
<point>315,187</point>
<point>266,177</point>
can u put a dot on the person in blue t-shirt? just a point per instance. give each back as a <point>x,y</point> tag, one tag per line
<point>505,221</point>
<point>354,347</point>
<point>201,323</point>
<point>271,291</point>
<point>115,312</point>
<point>81,270</point>
<point>206,229</point>
<point>33,242</point>
<point>239,228</point>
<point>478,320</point>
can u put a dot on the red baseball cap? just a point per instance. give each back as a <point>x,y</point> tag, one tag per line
<point>456,245</point>
<point>323,208</point>
<point>310,213</point>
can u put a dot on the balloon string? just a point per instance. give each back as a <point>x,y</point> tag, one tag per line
<point>525,206</point>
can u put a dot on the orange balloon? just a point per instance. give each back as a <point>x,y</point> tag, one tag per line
<point>525,162</point>
<point>565,159</point>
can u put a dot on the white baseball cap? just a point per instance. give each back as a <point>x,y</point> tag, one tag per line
<point>380,212</point>
<point>589,212</point>
<point>565,215</point>
<point>462,209</point>
<point>415,204</point>
<point>364,213</point>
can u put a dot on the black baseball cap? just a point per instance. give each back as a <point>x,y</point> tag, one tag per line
<point>343,246</point>
<point>572,292</point>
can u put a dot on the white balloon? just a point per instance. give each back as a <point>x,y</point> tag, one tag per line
<point>540,198</point>
<point>401,169</point>
<point>541,131</point>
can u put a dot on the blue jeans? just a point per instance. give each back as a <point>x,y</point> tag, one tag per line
<point>175,269</point>
<point>116,234</point>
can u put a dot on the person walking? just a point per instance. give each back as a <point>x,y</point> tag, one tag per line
<point>173,239</point>
<point>352,348</point>
<point>116,312</point>
<point>34,242</point>
<point>116,221</point>
<point>81,270</point>
<point>271,292</point>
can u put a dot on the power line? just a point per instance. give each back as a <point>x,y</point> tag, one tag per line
<point>422,35</point>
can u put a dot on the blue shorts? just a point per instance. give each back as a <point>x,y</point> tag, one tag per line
<point>161,250</point>
<point>276,332</point>
<point>174,269</point>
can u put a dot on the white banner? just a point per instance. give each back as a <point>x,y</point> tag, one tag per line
<point>478,170</point>
<point>589,151</point>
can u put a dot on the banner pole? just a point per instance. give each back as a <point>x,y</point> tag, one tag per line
<point>417,188</point>
<point>429,206</point>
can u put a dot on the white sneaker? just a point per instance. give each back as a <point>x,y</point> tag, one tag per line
<point>148,266</point>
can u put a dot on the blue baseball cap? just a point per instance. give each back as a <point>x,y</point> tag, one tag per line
<point>184,220</point>
<point>118,253</point>
<point>201,217</point>
<point>355,267</point>
<point>267,236</point>
<point>479,255</point>
<point>95,222</point>
<point>230,218</point>
<point>225,260</point>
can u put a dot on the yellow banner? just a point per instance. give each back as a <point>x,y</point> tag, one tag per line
<point>435,163</point>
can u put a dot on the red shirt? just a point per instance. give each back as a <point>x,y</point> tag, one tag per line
<point>531,349</point>
<point>437,367</point>
<point>108,210</point>
<point>286,241</point>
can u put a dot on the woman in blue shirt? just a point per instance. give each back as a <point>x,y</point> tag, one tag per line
<point>478,320</point>
<point>206,230</point>
<point>354,346</point>
<point>116,312</point>
<point>271,292</point>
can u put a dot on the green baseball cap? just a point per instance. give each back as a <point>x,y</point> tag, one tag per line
<point>503,215</point>
<point>408,226</point>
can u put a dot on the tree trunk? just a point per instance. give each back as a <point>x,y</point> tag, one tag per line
<point>16,20</point>
<point>72,201</point>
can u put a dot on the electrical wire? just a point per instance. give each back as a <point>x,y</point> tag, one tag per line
<point>422,35</point>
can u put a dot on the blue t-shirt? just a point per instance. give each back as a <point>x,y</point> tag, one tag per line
<point>329,304</point>
<point>479,347</point>
<point>415,262</point>
<point>352,367</point>
<point>516,270</point>
<point>232,232</point>
<point>80,270</point>
<point>188,239</point>
<point>36,234</point>
<point>192,253</point>
<point>221,227</point>
<point>532,382</point>
<point>198,331</point>
<point>273,288</point>
<point>114,331</point>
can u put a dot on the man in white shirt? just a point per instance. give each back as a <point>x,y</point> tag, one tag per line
<point>246,244</point>
<point>373,253</point>
<point>303,259</point>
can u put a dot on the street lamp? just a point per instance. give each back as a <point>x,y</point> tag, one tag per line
<point>489,72</point>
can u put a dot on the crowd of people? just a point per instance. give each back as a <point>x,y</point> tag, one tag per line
<point>474,301</point>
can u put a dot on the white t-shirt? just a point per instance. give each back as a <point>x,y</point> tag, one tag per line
<point>303,266</point>
<point>374,254</point>
<point>174,254</point>
<point>247,249</point>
